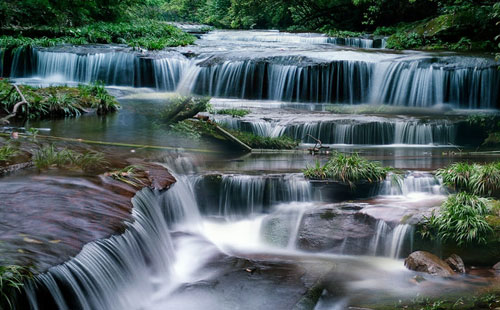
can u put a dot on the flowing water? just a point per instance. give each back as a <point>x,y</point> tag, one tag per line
<point>249,232</point>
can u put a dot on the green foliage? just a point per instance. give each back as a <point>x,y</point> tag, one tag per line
<point>182,108</point>
<point>462,219</point>
<point>7,152</point>
<point>49,156</point>
<point>234,112</point>
<point>259,142</point>
<point>340,33</point>
<point>348,170</point>
<point>58,101</point>
<point>472,178</point>
<point>130,175</point>
<point>12,279</point>
<point>149,34</point>
<point>186,129</point>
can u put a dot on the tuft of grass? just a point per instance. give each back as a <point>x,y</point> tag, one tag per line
<point>348,169</point>
<point>7,152</point>
<point>259,142</point>
<point>462,219</point>
<point>50,156</point>
<point>234,112</point>
<point>186,129</point>
<point>59,101</point>
<point>472,178</point>
<point>12,279</point>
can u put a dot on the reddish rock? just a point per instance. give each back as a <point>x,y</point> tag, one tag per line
<point>456,263</point>
<point>427,262</point>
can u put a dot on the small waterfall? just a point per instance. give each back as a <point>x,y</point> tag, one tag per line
<point>338,81</point>
<point>380,132</point>
<point>246,194</point>
<point>418,84</point>
<point>353,42</point>
<point>115,273</point>
<point>392,242</point>
<point>413,182</point>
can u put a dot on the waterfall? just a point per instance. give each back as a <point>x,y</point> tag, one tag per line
<point>380,132</point>
<point>338,81</point>
<point>267,36</point>
<point>391,242</point>
<point>112,67</point>
<point>353,42</point>
<point>115,273</point>
<point>417,84</point>
<point>246,194</point>
<point>413,182</point>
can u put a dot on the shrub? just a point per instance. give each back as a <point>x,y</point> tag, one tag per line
<point>186,129</point>
<point>348,170</point>
<point>472,178</point>
<point>462,219</point>
<point>259,142</point>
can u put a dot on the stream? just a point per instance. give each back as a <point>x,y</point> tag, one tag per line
<point>249,231</point>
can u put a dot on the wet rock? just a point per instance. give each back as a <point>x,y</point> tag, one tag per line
<point>456,263</point>
<point>427,262</point>
<point>496,267</point>
<point>334,229</point>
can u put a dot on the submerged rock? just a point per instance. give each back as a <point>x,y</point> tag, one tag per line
<point>456,263</point>
<point>427,262</point>
<point>496,267</point>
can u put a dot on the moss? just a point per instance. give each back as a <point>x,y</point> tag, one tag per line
<point>493,139</point>
<point>328,215</point>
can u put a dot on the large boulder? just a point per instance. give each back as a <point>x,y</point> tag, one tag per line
<point>456,263</point>
<point>427,262</point>
<point>496,267</point>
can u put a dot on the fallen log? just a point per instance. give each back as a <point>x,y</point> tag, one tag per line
<point>5,120</point>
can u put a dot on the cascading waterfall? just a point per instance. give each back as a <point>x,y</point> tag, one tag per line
<point>341,132</point>
<point>392,241</point>
<point>246,194</point>
<point>338,81</point>
<point>112,67</point>
<point>267,36</point>
<point>354,42</point>
<point>418,84</point>
<point>413,182</point>
<point>115,273</point>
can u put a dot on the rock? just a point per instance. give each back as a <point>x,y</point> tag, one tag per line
<point>496,267</point>
<point>427,262</point>
<point>456,263</point>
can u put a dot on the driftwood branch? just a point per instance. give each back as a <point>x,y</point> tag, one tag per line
<point>5,120</point>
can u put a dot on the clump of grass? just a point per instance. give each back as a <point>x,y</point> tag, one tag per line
<point>348,169</point>
<point>59,101</point>
<point>12,279</point>
<point>259,142</point>
<point>50,156</point>
<point>7,152</point>
<point>462,219</point>
<point>472,178</point>
<point>234,112</point>
<point>186,129</point>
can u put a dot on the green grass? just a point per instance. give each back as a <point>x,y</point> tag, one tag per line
<point>472,178</point>
<point>144,33</point>
<point>234,112</point>
<point>186,129</point>
<point>259,142</point>
<point>58,101</point>
<point>348,169</point>
<point>11,280</point>
<point>462,219</point>
<point>7,152</point>
<point>130,175</point>
<point>49,156</point>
